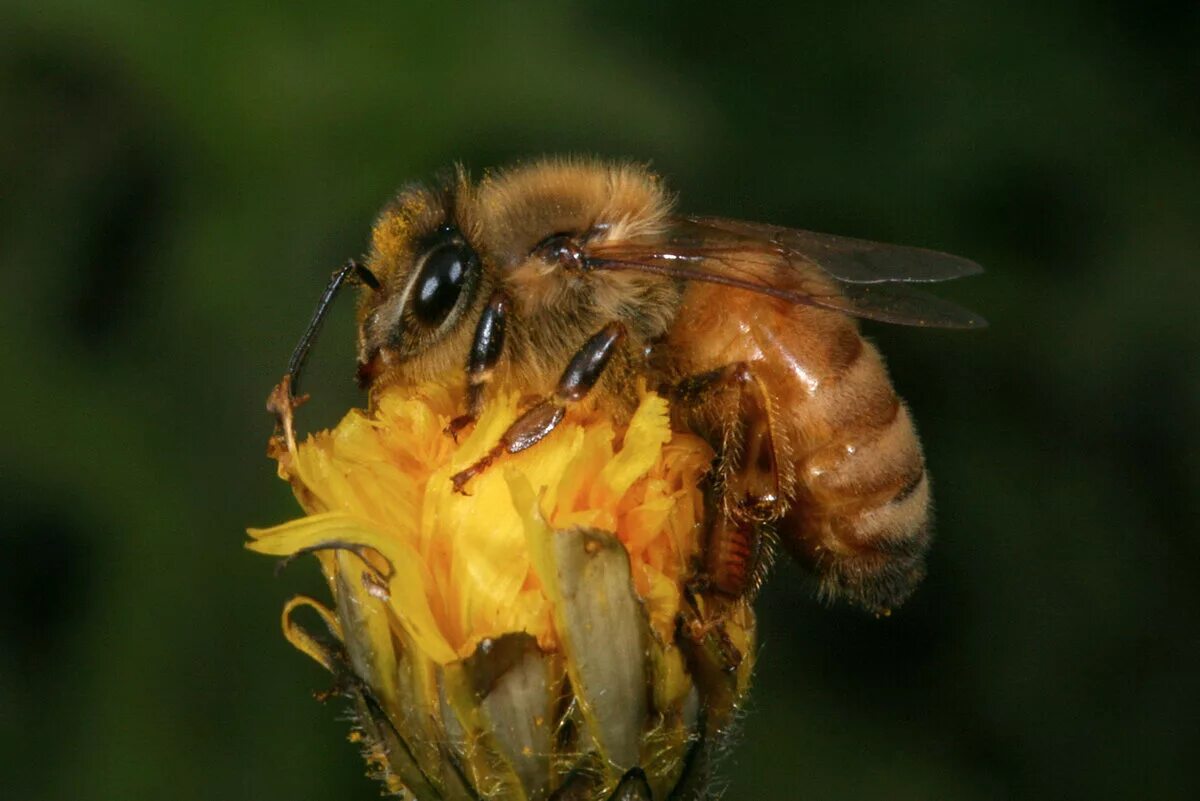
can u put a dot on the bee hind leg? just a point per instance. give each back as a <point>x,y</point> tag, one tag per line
<point>584,370</point>
<point>747,483</point>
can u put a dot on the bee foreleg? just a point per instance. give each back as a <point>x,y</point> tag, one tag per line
<point>581,375</point>
<point>486,348</point>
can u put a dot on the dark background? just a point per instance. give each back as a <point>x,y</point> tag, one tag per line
<point>176,184</point>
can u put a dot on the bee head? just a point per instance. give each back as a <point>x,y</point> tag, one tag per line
<point>429,273</point>
<point>439,254</point>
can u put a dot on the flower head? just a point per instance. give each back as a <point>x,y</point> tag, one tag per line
<point>534,635</point>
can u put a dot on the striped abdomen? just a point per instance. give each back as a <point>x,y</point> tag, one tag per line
<point>854,495</point>
<point>860,510</point>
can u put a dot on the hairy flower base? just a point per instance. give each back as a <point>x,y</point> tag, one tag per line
<point>535,637</point>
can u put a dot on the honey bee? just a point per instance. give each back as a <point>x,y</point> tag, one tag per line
<point>569,279</point>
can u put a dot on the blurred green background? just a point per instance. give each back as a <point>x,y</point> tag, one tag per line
<point>177,182</point>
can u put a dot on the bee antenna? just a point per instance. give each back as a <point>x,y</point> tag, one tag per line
<point>351,270</point>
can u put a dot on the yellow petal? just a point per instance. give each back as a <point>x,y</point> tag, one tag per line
<point>406,585</point>
<point>648,431</point>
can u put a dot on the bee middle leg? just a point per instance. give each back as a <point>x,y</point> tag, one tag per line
<point>748,485</point>
<point>582,373</point>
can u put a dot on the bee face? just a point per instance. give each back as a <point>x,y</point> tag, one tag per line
<point>440,254</point>
<point>428,272</point>
<point>424,301</point>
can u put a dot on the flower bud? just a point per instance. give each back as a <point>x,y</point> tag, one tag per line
<point>542,634</point>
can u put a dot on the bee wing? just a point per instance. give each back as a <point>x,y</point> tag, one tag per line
<point>864,279</point>
<point>854,261</point>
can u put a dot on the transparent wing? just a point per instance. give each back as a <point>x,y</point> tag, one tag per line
<point>864,279</point>
<point>855,261</point>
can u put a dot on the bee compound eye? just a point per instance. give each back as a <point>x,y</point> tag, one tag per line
<point>444,273</point>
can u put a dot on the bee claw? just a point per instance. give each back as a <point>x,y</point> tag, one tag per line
<point>458,424</point>
<point>282,404</point>
<point>459,480</point>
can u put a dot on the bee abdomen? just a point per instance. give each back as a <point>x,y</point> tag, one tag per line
<point>873,556</point>
<point>861,515</point>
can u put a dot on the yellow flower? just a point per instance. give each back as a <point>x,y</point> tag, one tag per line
<point>534,635</point>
